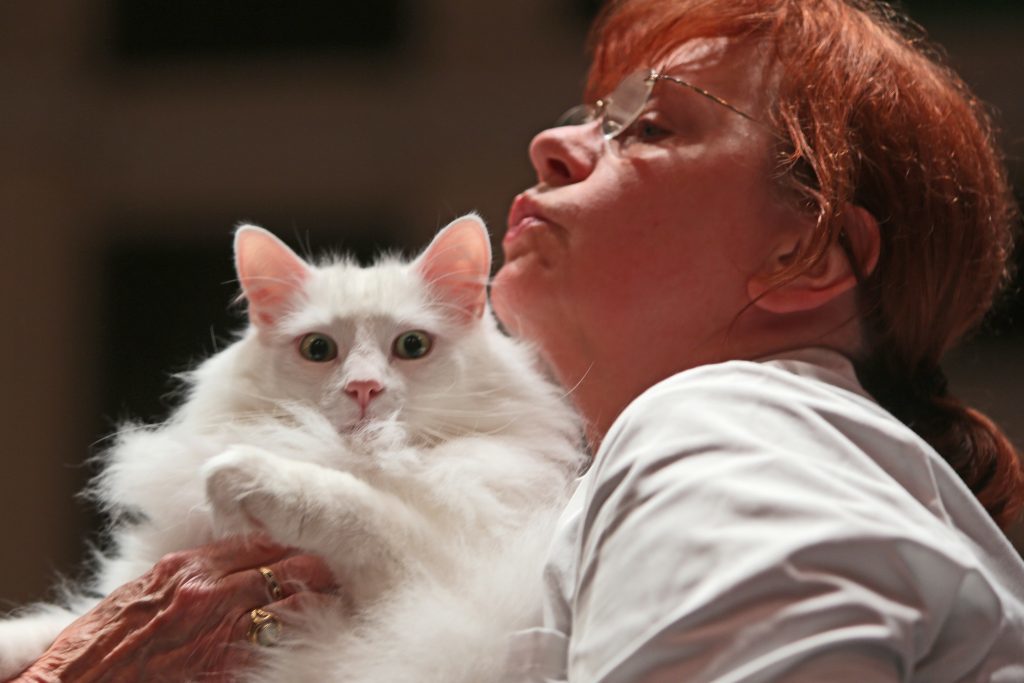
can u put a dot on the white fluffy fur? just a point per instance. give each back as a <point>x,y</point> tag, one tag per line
<point>436,509</point>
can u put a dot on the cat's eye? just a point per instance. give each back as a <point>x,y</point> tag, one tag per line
<point>413,344</point>
<point>318,348</point>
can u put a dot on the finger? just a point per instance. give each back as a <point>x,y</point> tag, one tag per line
<point>291,614</point>
<point>260,627</point>
<point>295,574</point>
<point>213,560</point>
<point>294,606</point>
<point>233,554</point>
<point>304,573</point>
<point>310,612</point>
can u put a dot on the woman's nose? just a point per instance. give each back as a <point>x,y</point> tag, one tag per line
<point>565,155</point>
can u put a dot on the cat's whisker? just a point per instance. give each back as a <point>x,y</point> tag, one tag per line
<point>103,440</point>
<point>479,430</point>
<point>493,398</point>
<point>124,430</point>
<point>436,433</point>
<point>455,412</point>
<point>214,341</point>
<point>576,386</point>
<point>500,429</point>
<point>493,431</point>
<point>446,307</point>
<point>451,395</point>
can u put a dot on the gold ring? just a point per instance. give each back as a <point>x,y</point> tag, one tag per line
<point>273,587</point>
<point>265,629</point>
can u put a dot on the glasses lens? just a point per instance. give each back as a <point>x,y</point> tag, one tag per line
<point>626,102</point>
<point>578,115</point>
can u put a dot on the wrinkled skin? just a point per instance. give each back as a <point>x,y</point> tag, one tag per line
<point>186,618</point>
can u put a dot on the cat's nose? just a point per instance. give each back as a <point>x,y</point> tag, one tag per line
<point>363,391</point>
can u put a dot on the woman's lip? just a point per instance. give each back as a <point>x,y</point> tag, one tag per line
<point>523,214</point>
<point>517,242</point>
<point>519,227</point>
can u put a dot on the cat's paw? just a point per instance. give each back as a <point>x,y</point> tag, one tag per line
<point>240,486</point>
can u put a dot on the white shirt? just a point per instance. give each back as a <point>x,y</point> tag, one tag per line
<point>768,521</point>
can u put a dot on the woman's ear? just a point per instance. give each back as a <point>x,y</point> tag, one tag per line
<point>833,275</point>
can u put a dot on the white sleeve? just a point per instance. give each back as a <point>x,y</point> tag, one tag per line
<point>716,546</point>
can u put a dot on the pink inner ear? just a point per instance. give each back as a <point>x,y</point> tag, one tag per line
<point>456,265</point>
<point>271,274</point>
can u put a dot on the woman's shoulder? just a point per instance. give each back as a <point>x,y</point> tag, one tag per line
<point>784,405</point>
<point>762,483</point>
<point>787,438</point>
<point>809,377</point>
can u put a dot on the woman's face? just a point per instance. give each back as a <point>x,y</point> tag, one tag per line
<point>631,259</point>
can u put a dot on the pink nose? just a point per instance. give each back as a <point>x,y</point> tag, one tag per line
<point>363,391</point>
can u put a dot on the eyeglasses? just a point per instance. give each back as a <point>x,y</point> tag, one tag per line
<point>620,108</point>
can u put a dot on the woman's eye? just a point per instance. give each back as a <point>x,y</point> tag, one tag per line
<point>413,344</point>
<point>645,130</point>
<point>648,131</point>
<point>318,348</point>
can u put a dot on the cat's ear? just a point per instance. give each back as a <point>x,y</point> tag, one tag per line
<point>456,265</point>
<point>270,273</point>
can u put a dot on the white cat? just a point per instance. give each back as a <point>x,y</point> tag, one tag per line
<point>376,417</point>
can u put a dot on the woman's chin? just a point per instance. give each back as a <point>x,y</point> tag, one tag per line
<point>526,302</point>
<point>513,296</point>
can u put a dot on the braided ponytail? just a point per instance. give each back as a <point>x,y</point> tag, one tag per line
<point>971,443</point>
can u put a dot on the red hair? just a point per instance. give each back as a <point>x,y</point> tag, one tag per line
<point>872,117</point>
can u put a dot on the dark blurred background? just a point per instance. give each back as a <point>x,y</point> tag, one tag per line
<point>134,134</point>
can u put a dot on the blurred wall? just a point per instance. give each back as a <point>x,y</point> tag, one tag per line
<point>107,161</point>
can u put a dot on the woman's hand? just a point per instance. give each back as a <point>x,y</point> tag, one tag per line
<point>186,618</point>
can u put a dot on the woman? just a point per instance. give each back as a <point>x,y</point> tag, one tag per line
<point>795,183</point>
<point>716,259</point>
